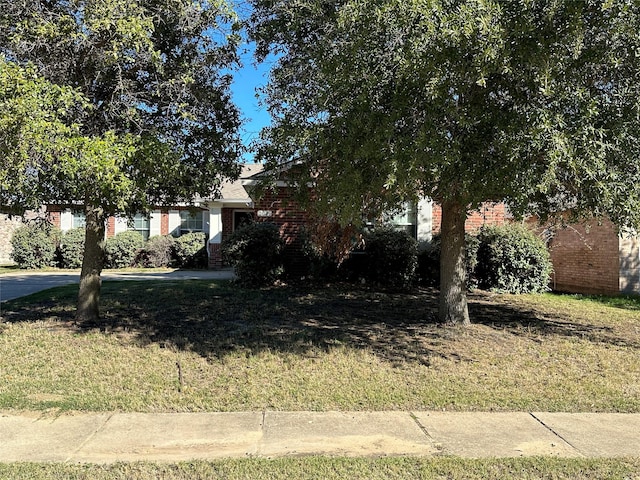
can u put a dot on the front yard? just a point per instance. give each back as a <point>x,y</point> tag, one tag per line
<point>211,346</point>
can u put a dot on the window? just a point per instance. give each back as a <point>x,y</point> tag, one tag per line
<point>78,219</point>
<point>406,219</point>
<point>190,221</point>
<point>241,218</point>
<point>141,225</point>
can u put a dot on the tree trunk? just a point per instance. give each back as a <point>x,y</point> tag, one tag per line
<point>453,289</point>
<point>88,310</point>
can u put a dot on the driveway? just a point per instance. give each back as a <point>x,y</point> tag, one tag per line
<point>14,285</point>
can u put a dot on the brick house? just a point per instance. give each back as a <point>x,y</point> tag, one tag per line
<point>594,258</point>
<point>421,220</point>
<point>216,217</point>
<point>591,260</point>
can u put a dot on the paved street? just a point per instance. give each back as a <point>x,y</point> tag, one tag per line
<point>14,285</point>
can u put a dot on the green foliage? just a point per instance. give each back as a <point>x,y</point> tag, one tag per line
<point>144,105</point>
<point>157,252</point>
<point>121,104</point>
<point>460,100</point>
<point>122,250</point>
<point>463,101</point>
<point>428,270</point>
<point>34,245</point>
<point>255,252</point>
<point>512,259</point>
<point>391,257</point>
<point>71,249</point>
<point>189,250</point>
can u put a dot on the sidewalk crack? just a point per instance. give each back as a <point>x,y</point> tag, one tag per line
<point>89,438</point>
<point>420,426</point>
<point>556,433</point>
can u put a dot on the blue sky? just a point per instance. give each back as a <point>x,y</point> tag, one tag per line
<point>243,89</point>
<point>246,80</point>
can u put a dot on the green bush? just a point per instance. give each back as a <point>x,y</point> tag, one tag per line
<point>157,252</point>
<point>512,259</point>
<point>34,245</point>
<point>428,270</point>
<point>71,249</point>
<point>392,257</point>
<point>388,259</point>
<point>302,259</point>
<point>255,252</point>
<point>122,250</point>
<point>190,250</point>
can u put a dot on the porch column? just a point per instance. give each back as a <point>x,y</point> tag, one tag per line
<point>425,214</point>
<point>215,238</point>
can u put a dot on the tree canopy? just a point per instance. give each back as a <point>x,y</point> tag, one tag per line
<point>530,102</point>
<point>137,93</point>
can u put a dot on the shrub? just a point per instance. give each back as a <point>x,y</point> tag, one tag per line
<point>255,252</point>
<point>302,259</point>
<point>189,250</point>
<point>393,258</point>
<point>34,245</point>
<point>512,259</point>
<point>71,249</point>
<point>428,270</point>
<point>121,251</point>
<point>388,259</point>
<point>157,252</point>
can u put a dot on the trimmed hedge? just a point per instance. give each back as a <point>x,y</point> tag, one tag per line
<point>157,252</point>
<point>255,252</point>
<point>34,245</point>
<point>512,259</point>
<point>71,249</point>
<point>190,250</point>
<point>122,250</point>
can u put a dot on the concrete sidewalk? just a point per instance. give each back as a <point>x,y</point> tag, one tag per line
<point>171,437</point>
<point>19,284</point>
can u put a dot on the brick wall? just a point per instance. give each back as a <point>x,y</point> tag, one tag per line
<point>111,227</point>
<point>164,222</point>
<point>215,256</point>
<point>487,214</point>
<point>227,223</point>
<point>280,208</point>
<point>283,211</point>
<point>586,259</point>
<point>215,249</point>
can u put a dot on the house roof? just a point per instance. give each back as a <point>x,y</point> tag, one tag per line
<point>235,190</point>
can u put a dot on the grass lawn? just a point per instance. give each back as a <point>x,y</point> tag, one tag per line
<point>338,468</point>
<point>8,269</point>
<point>334,348</point>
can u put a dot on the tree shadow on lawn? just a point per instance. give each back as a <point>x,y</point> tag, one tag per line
<point>536,324</point>
<point>217,318</point>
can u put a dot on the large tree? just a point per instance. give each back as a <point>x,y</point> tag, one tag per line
<point>532,102</point>
<point>151,122</point>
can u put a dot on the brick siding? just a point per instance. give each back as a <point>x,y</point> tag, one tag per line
<point>487,214</point>
<point>284,212</point>
<point>215,256</point>
<point>586,259</point>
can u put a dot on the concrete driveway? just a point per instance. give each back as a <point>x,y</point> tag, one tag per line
<point>14,285</point>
